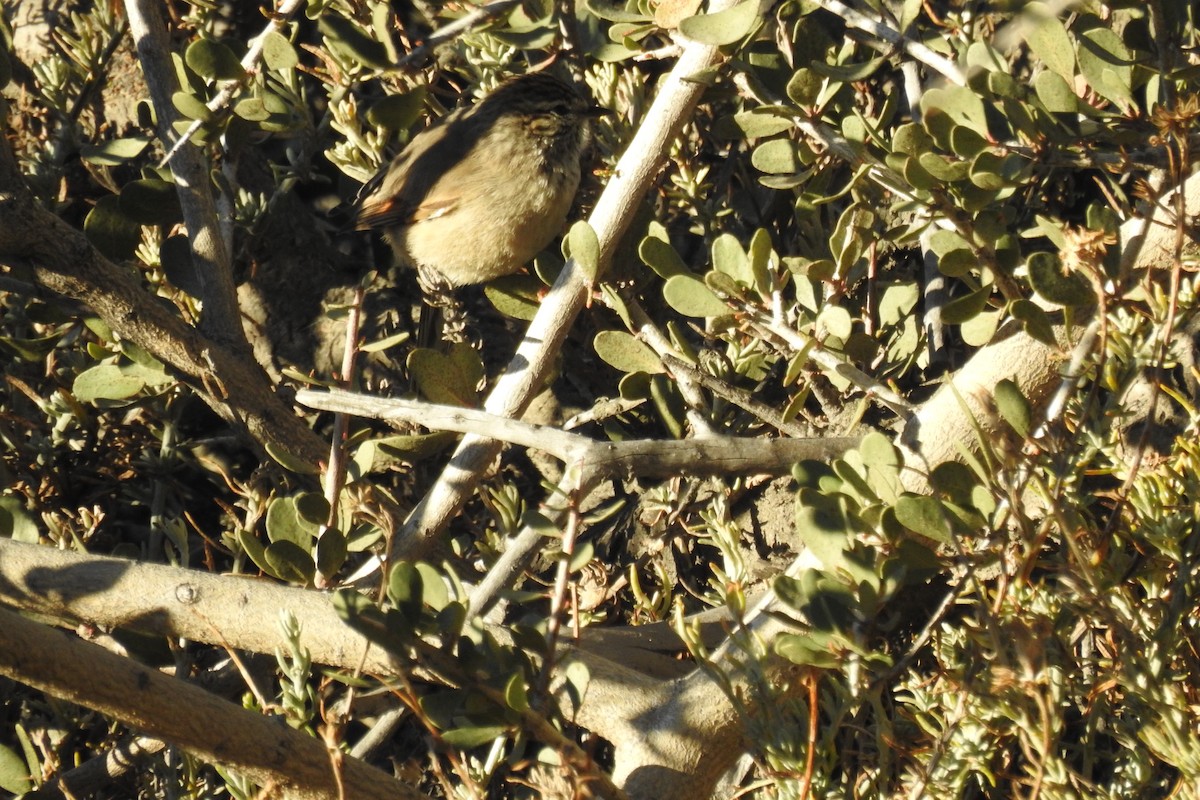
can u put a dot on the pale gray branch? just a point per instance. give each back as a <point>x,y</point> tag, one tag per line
<point>211,254</point>
<point>708,455</point>
<point>876,27</point>
<point>833,363</point>
<point>216,730</point>
<point>241,613</point>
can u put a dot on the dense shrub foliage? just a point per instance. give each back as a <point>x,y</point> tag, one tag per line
<point>870,201</point>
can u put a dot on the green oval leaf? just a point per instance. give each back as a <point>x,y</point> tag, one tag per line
<point>16,523</point>
<point>724,27</point>
<point>729,258</point>
<point>966,142</point>
<point>213,60</point>
<point>923,515</point>
<point>105,382</point>
<point>979,330</point>
<point>254,548</point>
<point>331,552</point>
<point>691,297</point>
<point>285,524</point>
<point>584,246</point>
<point>1035,321</point>
<point>778,157</point>
<point>661,257</point>
<point>836,321</point>
<point>288,562</point>
<point>615,11</point>
<point>467,738</point>
<point>446,378</point>
<point>1055,93</point>
<point>915,173</point>
<point>992,172</point>
<point>14,772</point>
<point>804,88</point>
<point>812,649</point>
<point>957,105</point>
<point>278,53</point>
<point>753,125</point>
<point>111,231</point>
<point>398,112</point>
<point>151,201</point>
<point>943,241</point>
<point>1049,41</point>
<point>961,309</point>
<point>115,151</point>
<point>848,73</point>
<point>1013,407</point>
<point>312,507</point>
<point>290,461</point>
<point>955,480</point>
<point>406,589</point>
<point>1105,63</point>
<point>380,455</point>
<point>515,296</point>
<point>626,353</point>
<point>1048,280</point>
<point>344,36</point>
<point>911,139</point>
<point>252,109</point>
<point>515,695</point>
<point>434,594</point>
<point>944,168</point>
<point>192,107</point>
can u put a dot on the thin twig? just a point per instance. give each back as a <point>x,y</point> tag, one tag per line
<point>648,458</point>
<point>1072,375</point>
<point>558,596</point>
<point>93,80</point>
<point>661,345</point>
<point>739,397</point>
<point>464,24</point>
<point>91,777</point>
<point>335,471</point>
<point>876,27</point>
<point>249,66</point>
<point>833,363</point>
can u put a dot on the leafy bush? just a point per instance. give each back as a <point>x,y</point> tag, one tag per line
<point>950,242</point>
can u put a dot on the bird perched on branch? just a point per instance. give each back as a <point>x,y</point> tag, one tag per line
<point>479,193</point>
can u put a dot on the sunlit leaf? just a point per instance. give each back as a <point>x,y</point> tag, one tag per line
<point>1049,40</point>
<point>626,353</point>
<point>691,297</point>
<point>213,60</point>
<point>724,27</point>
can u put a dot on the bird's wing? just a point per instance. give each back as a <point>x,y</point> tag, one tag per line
<point>399,193</point>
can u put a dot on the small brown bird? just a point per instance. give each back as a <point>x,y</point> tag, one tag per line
<point>478,194</point>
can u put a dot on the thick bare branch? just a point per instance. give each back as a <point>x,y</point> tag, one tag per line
<point>176,711</point>
<point>242,613</point>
